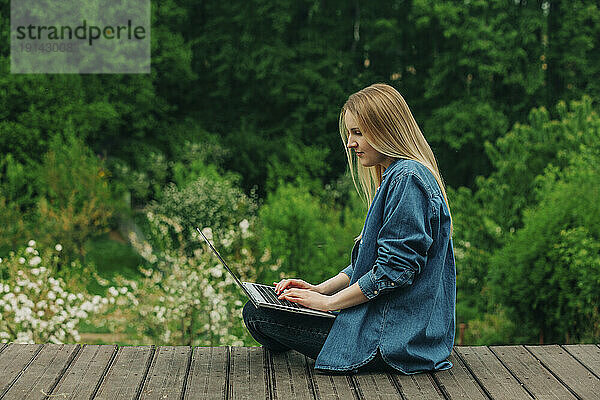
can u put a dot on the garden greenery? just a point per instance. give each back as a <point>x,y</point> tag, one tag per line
<point>38,304</point>
<point>235,130</point>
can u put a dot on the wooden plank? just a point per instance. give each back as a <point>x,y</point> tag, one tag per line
<point>376,386</point>
<point>13,360</point>
<point>457,382</point>
<point>40,377</point>
<point>587,354</point>
<point>528,370</point>
<point>207,378</point>
<point>568,370</point>
<point>495,379</point>
<point>82,378</point>
<point>419,385</point>
<point>248,374</point>
<point>330,387</point>
<point>126,374</point>
<point>167,373</point>
<point>289,378</point>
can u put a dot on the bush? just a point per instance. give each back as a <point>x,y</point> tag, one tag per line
<point>185,295</point>
<point>206,202</point>
<point>490,329</point>
<point>311,238</point>
<point>195,160</point>
<point>189,298</point>
<point>76,202</point>
<point>12,225</point>
<point>548,272</point>
<point>17,199</point>
<point>40,304</point>
<point>507,233</point>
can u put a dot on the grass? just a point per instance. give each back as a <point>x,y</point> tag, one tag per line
<point>111,256</point>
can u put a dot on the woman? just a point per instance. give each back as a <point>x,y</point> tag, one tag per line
<point>397,296</point>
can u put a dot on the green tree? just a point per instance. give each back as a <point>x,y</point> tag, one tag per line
<point>75,201</point>
<point>571,50</point>
<point>547,273</point>
<point>488,218</point>
<point>312,238</point>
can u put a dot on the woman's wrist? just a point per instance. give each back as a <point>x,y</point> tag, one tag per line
<point>348,297</point>
<point>332,302</point>
<point>333,285</point>
<point>318,288</point>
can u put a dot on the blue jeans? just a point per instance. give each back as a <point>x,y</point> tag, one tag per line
<point>281,331</point>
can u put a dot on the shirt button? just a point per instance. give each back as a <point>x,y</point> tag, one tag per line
<point>374,291</point>
<point>392,283</point>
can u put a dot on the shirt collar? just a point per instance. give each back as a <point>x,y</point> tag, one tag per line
<point>395,162</point>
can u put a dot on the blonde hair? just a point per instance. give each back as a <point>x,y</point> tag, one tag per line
<point>387,124</point>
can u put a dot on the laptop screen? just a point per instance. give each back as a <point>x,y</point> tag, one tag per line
<point>239,283</point>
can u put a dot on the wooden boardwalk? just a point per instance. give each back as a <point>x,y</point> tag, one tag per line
<point>72,371</point>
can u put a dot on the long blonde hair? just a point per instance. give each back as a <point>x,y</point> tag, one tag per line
<point>389,127</point>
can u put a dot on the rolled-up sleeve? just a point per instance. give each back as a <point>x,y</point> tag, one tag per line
<point>348,271</point>
<point>403,240</point>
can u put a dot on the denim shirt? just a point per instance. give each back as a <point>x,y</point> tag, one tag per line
<point>404,264</point>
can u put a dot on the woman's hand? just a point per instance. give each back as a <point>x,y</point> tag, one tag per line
<point>293,283</point>
<point>308,298</point>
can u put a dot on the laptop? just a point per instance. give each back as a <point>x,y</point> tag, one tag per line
<point>264,295</point>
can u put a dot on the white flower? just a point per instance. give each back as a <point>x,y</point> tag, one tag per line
<point>0,260</point>
<point>35,261</point>
<point>21,260</point>
<point>31,243</point>
<point>244,225</point>
<point>24,337</point>
<point>113,291</point>
<point>58,247</point>
<point>208,233</point>
<point>29,250</point>
<point>51,295</point>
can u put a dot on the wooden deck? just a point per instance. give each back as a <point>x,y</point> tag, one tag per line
<point>146,372</point>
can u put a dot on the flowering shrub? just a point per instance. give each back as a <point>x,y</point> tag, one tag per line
<point>205,202</point>
<point>37,305</point>
<point>187,297</point>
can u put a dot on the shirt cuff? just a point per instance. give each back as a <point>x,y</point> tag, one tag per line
<point>367,285</point>
<point>371,286</point>
<point>348,271</point>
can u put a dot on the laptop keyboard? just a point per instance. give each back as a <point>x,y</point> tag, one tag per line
<point>270,295</point>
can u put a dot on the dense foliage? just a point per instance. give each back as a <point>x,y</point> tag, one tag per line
<point>527,236</point>
<point>235,130</point>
